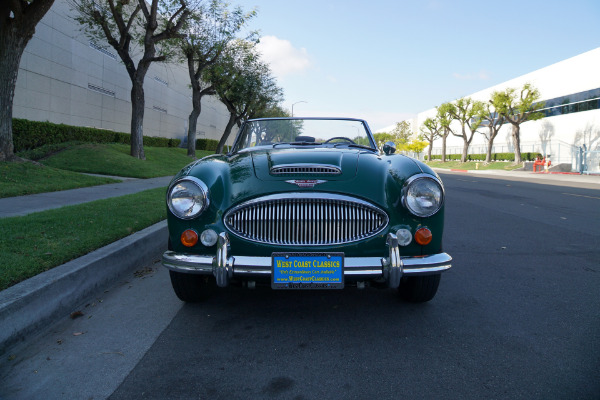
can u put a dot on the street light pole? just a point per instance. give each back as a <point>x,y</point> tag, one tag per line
<point>301,101</point>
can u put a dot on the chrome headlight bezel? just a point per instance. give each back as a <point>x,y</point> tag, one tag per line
<point>409,199</point>
<point>199,198</point>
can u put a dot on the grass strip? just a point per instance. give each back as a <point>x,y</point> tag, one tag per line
<point>473,165</point>
<point>114,159</point>
<point>41,241</point>
<point>22,178</point>
<point>46,150</point>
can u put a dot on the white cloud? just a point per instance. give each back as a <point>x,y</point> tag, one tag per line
<point>480,76</point>
<point>282,56</point>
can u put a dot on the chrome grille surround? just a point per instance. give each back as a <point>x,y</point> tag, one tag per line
<point>295,169</point>
<point>305,219</point>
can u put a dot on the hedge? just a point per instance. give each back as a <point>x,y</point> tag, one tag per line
<point>207,144</point>
<point>29,135</point>
<point>530,156</point>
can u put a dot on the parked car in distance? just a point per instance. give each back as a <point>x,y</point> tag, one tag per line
<point>306,203</point>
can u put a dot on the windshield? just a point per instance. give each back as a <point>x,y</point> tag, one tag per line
<point>304,132</point>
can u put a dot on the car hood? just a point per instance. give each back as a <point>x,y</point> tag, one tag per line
<point>334,164</point>
<point>246,175</point>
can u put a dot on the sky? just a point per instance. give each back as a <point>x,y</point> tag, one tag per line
<point>385,61</point>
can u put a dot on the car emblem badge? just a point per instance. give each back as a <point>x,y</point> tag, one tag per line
<point>306,183</point>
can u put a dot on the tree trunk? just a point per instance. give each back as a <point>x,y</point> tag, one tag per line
<point>444,147</point>
<point>11,49</point>
<point>488,155</point>
<point>232,121</point>
<point>517,142</point>
<point>429,150</point>
<point>465,151</point>
<point>196,104</point>
<point>137,116</point>
<point>17,26</point>
<point>193,122</point>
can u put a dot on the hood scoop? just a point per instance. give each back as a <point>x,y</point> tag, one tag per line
<point>305,169</point>
<point>284,164</point>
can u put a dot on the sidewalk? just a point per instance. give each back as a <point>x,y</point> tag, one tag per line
<point>23,205</point>
<point>32,305</point>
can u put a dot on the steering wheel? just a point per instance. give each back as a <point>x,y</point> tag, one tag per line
<point>339,137</point>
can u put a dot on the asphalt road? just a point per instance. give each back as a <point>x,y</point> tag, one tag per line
<point>517,317</point>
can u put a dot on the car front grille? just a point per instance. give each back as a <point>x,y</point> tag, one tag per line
<point>295,169</point>
<point>306,219</point>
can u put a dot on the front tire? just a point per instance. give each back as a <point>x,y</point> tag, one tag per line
<point>419,289</point>
<point>192,288</point>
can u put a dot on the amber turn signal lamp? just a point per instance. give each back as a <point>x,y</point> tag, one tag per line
<point>423,236</point>
<point>189,238</point>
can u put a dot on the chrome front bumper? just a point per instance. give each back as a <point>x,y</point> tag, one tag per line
<point>224,266</point>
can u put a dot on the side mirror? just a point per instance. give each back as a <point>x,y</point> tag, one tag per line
<point>389,148</point>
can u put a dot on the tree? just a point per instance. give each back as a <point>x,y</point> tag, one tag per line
<point>383,137</point>
<point>18,19</point>
<point>244,84</point>
<point>273,111</point>
<point>402,133</point>
<point>210,30</point>
<point>430,130</point>
<point>494,122</point>
<point>518,107</point>
<point>468,113</point>
<point>416,145</point>
<point>444,115</point>
<point>148,23</point>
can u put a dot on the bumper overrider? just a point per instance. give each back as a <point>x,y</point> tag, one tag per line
<point>225,266</point>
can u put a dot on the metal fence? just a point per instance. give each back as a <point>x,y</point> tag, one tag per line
<point>418,156</point>
<point>587,162</point>
<point>571,157</point>
<point>526,147</point>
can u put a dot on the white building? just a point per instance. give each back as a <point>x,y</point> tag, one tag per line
<point>66,78</point>
<point>571,91</point>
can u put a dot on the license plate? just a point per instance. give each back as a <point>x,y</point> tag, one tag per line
<point>308,271</point>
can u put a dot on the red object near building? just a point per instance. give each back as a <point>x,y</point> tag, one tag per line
<point>540,163</point>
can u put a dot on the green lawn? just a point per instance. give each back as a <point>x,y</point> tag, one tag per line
<point>21,178</point>
<point>63,163</point>
<point>38,242</point>
<point>114,159</point>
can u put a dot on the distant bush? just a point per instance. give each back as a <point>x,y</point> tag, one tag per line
<point>154,141</point>
<point>207,144</point>
<point>29,135</point>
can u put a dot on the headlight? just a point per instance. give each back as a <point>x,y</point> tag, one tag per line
<point>423,195</point>
<point>187,197</point>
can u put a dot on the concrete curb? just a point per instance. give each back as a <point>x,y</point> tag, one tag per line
<point>39,301</point>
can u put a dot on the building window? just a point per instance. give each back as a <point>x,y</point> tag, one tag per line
<point>157,79</point>
<point>162,110</point>
<point>577,102</point>
<point>102,90</point>
<point>102,50</point>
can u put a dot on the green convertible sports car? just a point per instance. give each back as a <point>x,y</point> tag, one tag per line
<point>306,203</point>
